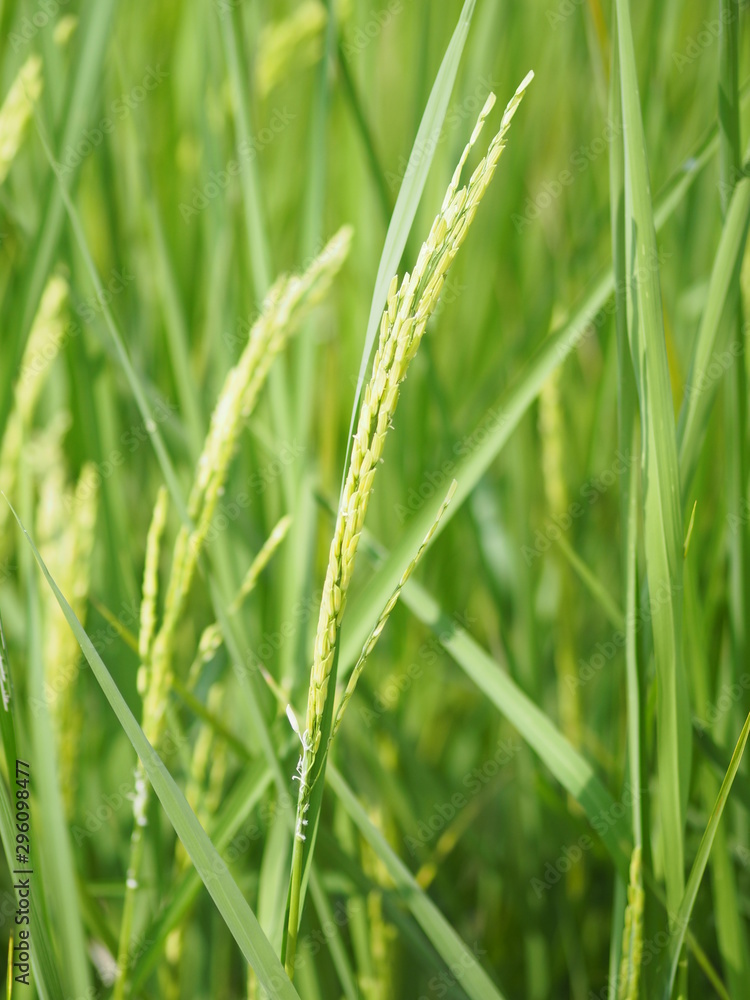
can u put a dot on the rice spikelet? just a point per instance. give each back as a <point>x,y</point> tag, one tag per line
<point>151,575</point>
<point>290,45</point>
<point>46,336</point>
<point>373,637</point>
<point>285,307</point>
<point>409,306</point>
<point>632,934</point>
<point>66,530</point>
<point>16,111</point>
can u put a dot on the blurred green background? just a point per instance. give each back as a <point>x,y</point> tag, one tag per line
<point>137,106</point>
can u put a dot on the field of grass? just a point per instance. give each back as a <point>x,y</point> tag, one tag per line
<point>224,239</point>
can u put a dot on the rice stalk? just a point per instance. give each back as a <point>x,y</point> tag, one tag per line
<point>285,306</point>
<point>408,309</point>
<point>385,614</point>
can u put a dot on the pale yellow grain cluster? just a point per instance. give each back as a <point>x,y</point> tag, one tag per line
<point>150,588</point>
<point>283,311</point>
<point>45,339</point>
<point>632,935</point>
<point>64,29</point>
<point>291,44</point>
<point>373,637</point>
<point>16,111</point>
<point>408,308</point>
<point>66,521</point>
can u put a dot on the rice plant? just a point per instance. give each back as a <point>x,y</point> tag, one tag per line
<point>319,681</point>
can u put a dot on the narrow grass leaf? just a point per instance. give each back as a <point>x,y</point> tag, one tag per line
<point>662,515</point>
<point>573,772</point>
<point>478,449</point>
<point>702,384</point>
<point>232,905</point>
<point>474,981</point>
<point>410,193</point>
<point>685,909</point>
